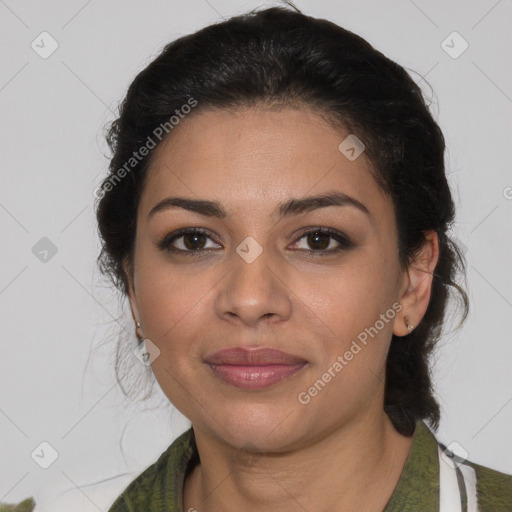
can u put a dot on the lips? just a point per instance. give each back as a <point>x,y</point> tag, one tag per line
<point>254,368</point>
<point>253,357</point>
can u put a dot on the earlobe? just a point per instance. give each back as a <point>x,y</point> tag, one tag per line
<point>415,296</point>
<point>410,327</point>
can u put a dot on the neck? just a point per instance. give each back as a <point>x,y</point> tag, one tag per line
<point>353,468</point>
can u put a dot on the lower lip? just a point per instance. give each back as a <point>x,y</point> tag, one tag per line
<point>254,377</point>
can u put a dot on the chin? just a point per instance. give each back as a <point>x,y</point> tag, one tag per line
<point>267,427</point>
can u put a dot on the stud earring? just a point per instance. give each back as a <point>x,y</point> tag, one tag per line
<point>410,327</point>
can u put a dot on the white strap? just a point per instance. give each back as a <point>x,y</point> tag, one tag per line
<point>449,494</point>
<point>470,481</point>
<point>450,499</point>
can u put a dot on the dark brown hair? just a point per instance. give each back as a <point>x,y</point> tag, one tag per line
<point>281,57</point>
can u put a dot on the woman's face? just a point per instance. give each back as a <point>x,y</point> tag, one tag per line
<point>251,278</point>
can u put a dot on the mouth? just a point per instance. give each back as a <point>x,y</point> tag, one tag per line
<point>254,368</point>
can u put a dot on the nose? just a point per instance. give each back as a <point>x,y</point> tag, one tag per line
<point>254,292</point>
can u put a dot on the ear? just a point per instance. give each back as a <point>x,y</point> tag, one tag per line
<point>128,271</point>
<point>417,285</point>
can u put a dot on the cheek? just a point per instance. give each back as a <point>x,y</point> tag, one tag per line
<point>169,297</point>
<point>353,296</point>
<point>354,307</point>
<point>172,308</point>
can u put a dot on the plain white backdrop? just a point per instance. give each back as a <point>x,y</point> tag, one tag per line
<point>59,319</point>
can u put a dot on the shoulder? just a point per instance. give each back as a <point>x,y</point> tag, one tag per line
<point>420,479</point>
<point>159,487</point>
<point>25,506</point>
<point>494,489</point>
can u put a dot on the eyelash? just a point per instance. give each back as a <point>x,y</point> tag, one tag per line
<point>165,242</point>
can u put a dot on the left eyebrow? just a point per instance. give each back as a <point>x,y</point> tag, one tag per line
<point>307,204</point>
<point>294,206</point>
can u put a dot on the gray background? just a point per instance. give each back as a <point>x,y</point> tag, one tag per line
<point>59,319</point>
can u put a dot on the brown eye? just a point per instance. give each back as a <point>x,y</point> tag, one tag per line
<point>323,241</point>
<point>194,241</point>
<point>187,241</point>
<point>318,241</point>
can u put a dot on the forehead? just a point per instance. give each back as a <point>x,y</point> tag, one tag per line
<point>257,156</point>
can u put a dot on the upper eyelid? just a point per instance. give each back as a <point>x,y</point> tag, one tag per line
<point>171,237</point>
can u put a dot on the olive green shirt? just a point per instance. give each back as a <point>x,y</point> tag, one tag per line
<point>160,487</point>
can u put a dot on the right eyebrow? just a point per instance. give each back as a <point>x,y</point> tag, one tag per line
<point>201,206</point>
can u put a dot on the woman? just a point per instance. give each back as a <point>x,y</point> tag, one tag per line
<point>277,214</point>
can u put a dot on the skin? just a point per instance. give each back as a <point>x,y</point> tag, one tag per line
<point>263,449</point>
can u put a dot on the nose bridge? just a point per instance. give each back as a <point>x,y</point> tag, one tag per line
<point>252,289</point>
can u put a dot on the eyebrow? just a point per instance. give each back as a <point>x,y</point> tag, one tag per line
<point>288,208</point>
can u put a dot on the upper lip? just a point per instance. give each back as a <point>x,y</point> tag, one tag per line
<point>253,357</point>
